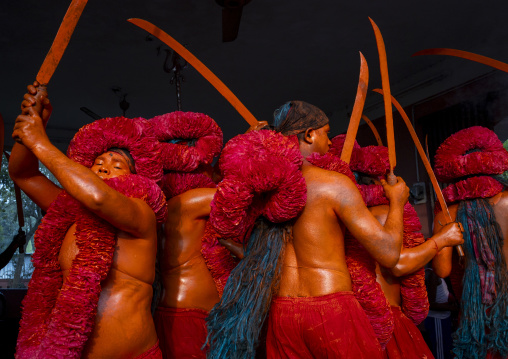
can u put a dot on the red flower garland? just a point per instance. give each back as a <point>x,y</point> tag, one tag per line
<point>187,126</point>
<point>176,183</point>
<point>451,160</point>
<point>470,188</point>
<point>99,136</point>
<point>58,316</point>
<point>372,160</point>
<point>269,183</point>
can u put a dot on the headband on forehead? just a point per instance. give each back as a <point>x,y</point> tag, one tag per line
<point>125,154</point>
<point>295,117</point>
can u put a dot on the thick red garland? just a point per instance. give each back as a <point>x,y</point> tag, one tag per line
<point>176,183</point>
<point>99,136</point>
<point>268,183</point>
<point>473,187</point>
<point>187,126</point>
<point>372,160</point>
<point>452,161</point>
<point>58,317</point>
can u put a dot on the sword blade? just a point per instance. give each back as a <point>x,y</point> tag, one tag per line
<point>61,41</point>
<point>374,130</point>
<point>426,163</point>
<point>356,115</point>
<point>199,66</point>
<point>383,64</point>
<point>465,55</point>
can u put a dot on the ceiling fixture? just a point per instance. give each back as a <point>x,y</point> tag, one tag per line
<point>231,16</point>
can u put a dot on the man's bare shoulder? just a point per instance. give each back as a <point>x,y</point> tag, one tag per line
<point>321,179</point>
<point>194,203</point>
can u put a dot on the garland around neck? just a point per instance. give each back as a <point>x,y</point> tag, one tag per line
<point>471,188</point>
<point>59,316</point>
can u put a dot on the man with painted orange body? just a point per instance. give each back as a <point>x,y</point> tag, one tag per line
<point>404,284</point>
<point>116,321</point>
<point>313,312</point>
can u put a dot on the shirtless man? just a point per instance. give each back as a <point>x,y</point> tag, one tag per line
<point>189,291</point>
<point>406,340</point>
<point>121,296</point>
<point>314,313</point>
<point>471,159</point>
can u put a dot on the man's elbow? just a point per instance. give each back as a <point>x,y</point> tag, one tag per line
<point>390,259</point>
<point>95,200</point>
<point>400,270</point>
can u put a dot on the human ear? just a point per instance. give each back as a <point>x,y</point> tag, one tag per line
<point>309,136</point>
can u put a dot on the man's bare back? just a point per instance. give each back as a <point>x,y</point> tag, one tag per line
<point>314,263</point>
<point>186,279</point>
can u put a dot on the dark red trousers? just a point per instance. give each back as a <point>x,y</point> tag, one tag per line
<point>152,353</point>
<point>330,326</point>
<point>407,341</point>
<point>181,332</point>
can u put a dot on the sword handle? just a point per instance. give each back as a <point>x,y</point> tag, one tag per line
<point>460,251</point>
<point>391,179</point>
<point>42,93</point>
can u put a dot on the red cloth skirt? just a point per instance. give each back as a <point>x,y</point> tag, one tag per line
<point>181,332</point>
<point>407,342</point>
<point>329,326</point>
<point>152,353</point>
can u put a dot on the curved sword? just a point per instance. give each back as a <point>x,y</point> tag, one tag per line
<point>374,130</point>
<point>426,163</point>
<point>356,115</point>
<point>390,137</point>
<point>199,66</point>
<point>465,55</point>
<point>55,53</point>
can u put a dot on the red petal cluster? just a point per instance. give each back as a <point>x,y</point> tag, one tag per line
<point>473,187</point>
<point>262,176</point>
<point>58,317</point>
<point>97,137</point>
<point>371,160</point>
<point>187,126</point>
<point>451,160</point>
<point>176,183</point>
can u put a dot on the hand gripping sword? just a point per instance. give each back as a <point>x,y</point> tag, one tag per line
<point>426,163</point>
<point>199,66</point>
<point>58,47</point>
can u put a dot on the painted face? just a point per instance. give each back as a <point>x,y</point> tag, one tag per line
<point>321,141</point>
<point>110,165</point>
